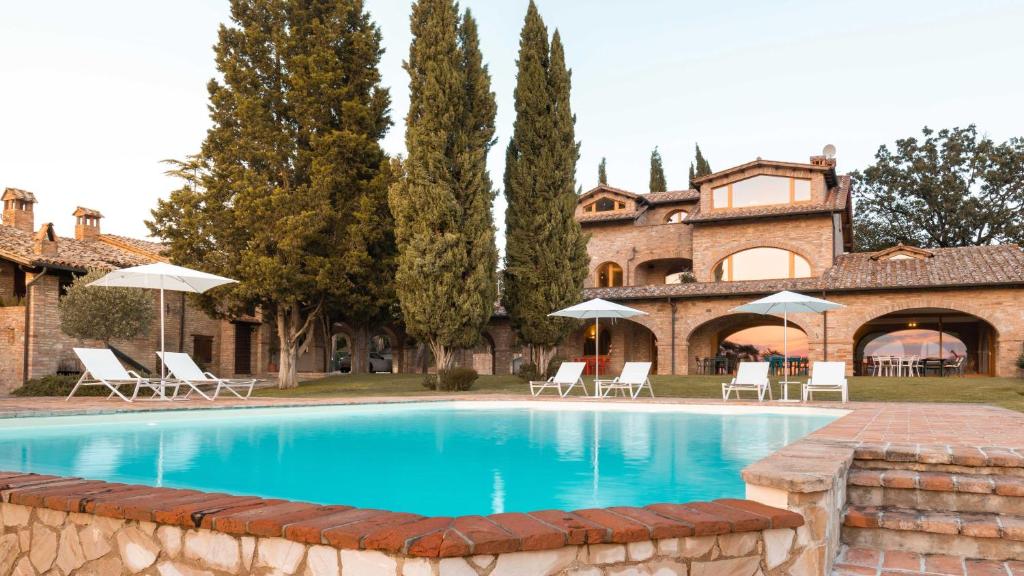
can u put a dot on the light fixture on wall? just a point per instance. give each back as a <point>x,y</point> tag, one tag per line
<point>912,324</point>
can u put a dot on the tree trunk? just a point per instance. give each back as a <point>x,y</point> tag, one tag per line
<point>545,354</point>
<point>442,356</point>
<point>294,333</point>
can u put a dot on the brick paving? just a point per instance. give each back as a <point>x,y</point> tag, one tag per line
<point>853,561</point>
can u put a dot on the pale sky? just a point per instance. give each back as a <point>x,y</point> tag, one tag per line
<point>94,94</point>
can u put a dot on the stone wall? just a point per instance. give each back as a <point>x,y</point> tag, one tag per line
<point>58,526</point>
<point>633,244</point>
<point>12,347</point>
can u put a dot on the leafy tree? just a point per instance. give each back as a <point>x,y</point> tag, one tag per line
<point>446,279</point>
<point>602,172</point>
<point>657,182</point>
<point>546,252</point>
<point>287,193</point>
<point>953,187</point>
<point>699,167</point>
<point>104,314</point>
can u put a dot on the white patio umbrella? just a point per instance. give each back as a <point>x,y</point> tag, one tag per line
<point>786,302</point>
<point>597,309</point>
<point>162,276</point>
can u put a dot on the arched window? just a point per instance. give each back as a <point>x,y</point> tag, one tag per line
<point>762,264</point>
<point>590,346</point>
<point>676,216</point>
<point>609,275</point>
<point>605,205</point>
<point>762,191</point>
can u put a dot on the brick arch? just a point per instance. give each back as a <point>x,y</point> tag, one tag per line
<point>737,247</point>
<point>594,273</point>
<point>862,314</point>
<point>743,318</point>
<point>702,340</point>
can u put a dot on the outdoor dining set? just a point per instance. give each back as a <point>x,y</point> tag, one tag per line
<point>798,365</point>
<point>912,366</point>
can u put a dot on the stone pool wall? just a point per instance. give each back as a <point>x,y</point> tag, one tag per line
<point>60,526</point>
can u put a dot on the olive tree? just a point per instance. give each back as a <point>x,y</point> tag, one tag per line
<point>105,314</point>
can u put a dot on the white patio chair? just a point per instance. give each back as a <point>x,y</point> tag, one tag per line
<point>103,369</point>
<point>751,376</point>
<point>634,375</point>
<point>827,377</point>
<point>186,371</point>
<point>569,374</point>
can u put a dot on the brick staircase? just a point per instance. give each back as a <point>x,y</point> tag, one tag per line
<point>937,501</point>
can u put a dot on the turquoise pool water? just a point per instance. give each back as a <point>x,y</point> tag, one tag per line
<point>443,458</point>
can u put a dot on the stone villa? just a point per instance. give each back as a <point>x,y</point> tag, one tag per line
<point>686,257</point>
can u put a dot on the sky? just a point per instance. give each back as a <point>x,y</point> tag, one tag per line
<point>93,95</point>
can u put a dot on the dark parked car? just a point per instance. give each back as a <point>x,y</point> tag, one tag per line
<point>379,362</point>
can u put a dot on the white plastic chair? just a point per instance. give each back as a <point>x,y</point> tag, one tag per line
<point>569,374</point>
<point>185,370</point>
<point>103,369</point>
<point>827,377</point>
<point>634,374</point>
<point>751,376</point>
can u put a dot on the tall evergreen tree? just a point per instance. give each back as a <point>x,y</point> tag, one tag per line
<point>657,183</point>
<point>446,279</point>
<point>699,167</point>
<point>546,251</point>
<point>286,195</point>
<point>602,171</point>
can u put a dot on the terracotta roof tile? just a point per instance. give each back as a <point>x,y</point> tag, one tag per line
<point>611,216</point>
<point>949,267</point>
<point>671,196</point>
<point>18,194</point>
<point>146,247</point>
<point>74,254</point>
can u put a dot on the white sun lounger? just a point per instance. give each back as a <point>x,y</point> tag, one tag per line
<point>569,374</point>
<point>827,377</point>
<point>751,376</point>
<point>632,380</point>
<point>186,371</point>
<point>103,369</point>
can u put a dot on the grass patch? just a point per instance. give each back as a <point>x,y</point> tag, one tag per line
<point>1005,392</point>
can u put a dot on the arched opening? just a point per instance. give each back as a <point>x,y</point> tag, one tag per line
<point>380,354</point>
<point>663,271</point>
<point>763,263</point>
<point>483,355</point>
<point>942,341</point>
<point>621,341</point>
<point>676,217</point>
<point>605,205</point>
<point>719,345</point>
<point>609,275</point>
<point>341,353</point>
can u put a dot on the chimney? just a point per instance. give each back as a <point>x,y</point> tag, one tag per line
<point>45,241</point>
<point>87,223</point>
<point>823,161</point>
<point>18,209</point>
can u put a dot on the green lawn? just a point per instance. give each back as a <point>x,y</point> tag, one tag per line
<point>1006,392</point>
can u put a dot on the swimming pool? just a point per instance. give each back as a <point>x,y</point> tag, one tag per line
<point>437,458</point>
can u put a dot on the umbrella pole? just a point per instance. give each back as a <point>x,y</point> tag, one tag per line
<point>785,353</point>
<point>597,357</point>
<point>162,363</point>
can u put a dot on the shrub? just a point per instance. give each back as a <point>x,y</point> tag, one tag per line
<point>101,313</point>
<point>458,379</point>
<point>528,372</point>
<point>56,385</point>
<point>429,381</point>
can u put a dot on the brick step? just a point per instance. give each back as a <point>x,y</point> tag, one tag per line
<point>937,491</point>
<point>853,561</point>
<point>975,535</point>
<point>871,455</point>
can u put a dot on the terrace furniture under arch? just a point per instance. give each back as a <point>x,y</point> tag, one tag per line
<point>187,372</point>
<point>103,369</point>
<point>827,377</point>
<point>632,380</point>
<point>751,376</point>
<point>569,375</point>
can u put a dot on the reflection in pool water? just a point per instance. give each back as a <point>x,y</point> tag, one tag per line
<point>436,459</point>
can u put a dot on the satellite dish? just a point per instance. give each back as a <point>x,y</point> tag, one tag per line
<point>829,151</point>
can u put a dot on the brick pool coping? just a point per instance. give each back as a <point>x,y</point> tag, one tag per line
<point>894,432</point>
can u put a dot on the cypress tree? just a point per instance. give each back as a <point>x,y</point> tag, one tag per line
<point>546,251</point>
<point>602,172</point>
<point>446,279</point>
<point>657,182</point>
<point>287,193</point>
<point>699,167</point>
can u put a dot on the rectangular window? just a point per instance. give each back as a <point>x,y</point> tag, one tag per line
<point>762,191</point>
<point>202,349</point>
